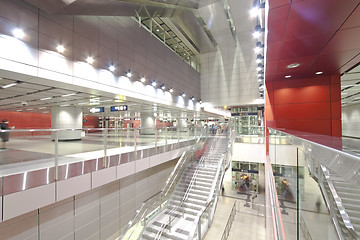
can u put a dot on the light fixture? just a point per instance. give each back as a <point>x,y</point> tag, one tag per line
<point>153,83</point>
<point>129,74</point>
<point>163,87</point>
<point>60,48</point>
<point>90,60</point>
<point>183,94</point>
<point>29,109</point>
<point>18,33</point>
<point>112,68</point>
<point>171,90</point>
<point>259,58</point>
<point>259,67</point>
<point>200,101</point>
<point>258,47</point>
<point>42,107</point>
<point>258,31</point>
<point>293,65</point>
<point>255,10</point>
<point>67,95</point>
<point>19,110</point>
<point>9,85</point>
<point>47,98</point>
<point>318,73</point>
<point>142,79</point>
<point>288,76</point>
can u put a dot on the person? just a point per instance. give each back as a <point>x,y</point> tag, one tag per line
<point>285,189</point>
<point>4,125</point>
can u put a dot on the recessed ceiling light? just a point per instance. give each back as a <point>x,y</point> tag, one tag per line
<point>67,95</point>
<point>153,83</point>
<point>18,33</point>
<point>128,74</point>
<point>60,48</point>
<point>288,76</point>
<point>318,73</point>
<point>293,65</point>
<point>112,68</point>
<point>90,60</point>
<point>142,79</point>
<point>9,85</point>
<point>171,90</point>
<point>47,98</point>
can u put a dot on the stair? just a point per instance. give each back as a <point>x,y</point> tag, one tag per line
<point>350,198</point>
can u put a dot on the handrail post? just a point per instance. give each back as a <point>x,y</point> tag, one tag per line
<point>105,146</point>
<point>199,228</point>
<point>156,151</point>
<point>135,144</point>
<point>56,155</point>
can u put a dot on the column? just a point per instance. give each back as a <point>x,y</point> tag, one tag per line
<point>148,123</point>
<point>67,117</point>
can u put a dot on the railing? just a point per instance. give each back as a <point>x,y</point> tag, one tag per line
<point>229,222</point>
<point>250,134</point>
<point>291,158</point>
<point>159,200</point>
<point>37,157</point>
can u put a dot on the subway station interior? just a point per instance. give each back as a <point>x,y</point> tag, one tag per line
<point>179,119</point>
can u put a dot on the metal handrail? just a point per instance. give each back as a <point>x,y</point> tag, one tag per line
<point>344,216</point>
<point>229,223</point>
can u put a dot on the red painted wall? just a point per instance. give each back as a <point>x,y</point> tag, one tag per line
<point>309,105</point>
<point>90,122</point>
<point>23,120</point>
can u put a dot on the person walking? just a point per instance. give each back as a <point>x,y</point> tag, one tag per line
<point>4,125</point>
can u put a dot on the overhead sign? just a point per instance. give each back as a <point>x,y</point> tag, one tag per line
<point>244,114</point>
<point>118,108</point>
<point>97,109</point>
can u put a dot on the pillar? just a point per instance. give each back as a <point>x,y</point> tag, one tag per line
<point>66,117</point>
<point>148,124</point>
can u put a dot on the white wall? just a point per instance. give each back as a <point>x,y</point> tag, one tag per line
<point>97,214</point>
<point>351,120</point>
<point>225,79</point>
<point>109,40</point>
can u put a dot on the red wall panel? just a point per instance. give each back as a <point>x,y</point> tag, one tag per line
<point>22,120</point>
<point>307,105</point>
<point>303,111</point>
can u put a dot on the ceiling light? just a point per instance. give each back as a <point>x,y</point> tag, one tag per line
<point>200,101</point>
<point>9,85</point>
<point>254,12</point>
<point>153,83</point>
<point>47,98</point>
<point>163,87</point>
<point>258,68</point>
<point>18,33</point>
<point>19,110</point>
<point>112,68</point>
<point>171,90</point>
<point>67,95</point>
<point>29,109</point>
<point>129,74</point>
<point>293,65</point>
<point>142,79</point>
<point>318,73</point>
<point>65,105</point>
<point>288,76</point>
<point>192,98</point>
<point>42,107</point>
<point>259,58</point>
<point>90,60</point>
<point>258,31</point>
<point>60,48</point>
<point>157,29</point>
<point>183,94</point>
<point>258,47</point>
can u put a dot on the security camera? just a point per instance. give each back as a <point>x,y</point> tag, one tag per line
<point>24,103</point>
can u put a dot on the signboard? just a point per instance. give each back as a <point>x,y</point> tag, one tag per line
<point>244,114</point>
<point>97,110</point>
<point>118,108</point>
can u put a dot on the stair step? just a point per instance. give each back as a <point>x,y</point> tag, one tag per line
<point>198,175</point>
<point>191,200</point>
<point>198,183</point>
<point>350,201</point>
<point>182,209</point>
<point>191,195</point>
<point>201,188</point>
<point>197,179</point>
<point>186,204</point>
<point>192,190</point>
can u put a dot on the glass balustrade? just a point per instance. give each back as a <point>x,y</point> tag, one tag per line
<point>315,186</point>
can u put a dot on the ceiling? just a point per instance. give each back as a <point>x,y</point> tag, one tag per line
<point>322,36</point>
<point>34,97</point>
